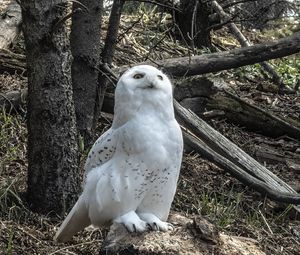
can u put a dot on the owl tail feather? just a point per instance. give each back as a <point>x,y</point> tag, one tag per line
<point>76,220</point>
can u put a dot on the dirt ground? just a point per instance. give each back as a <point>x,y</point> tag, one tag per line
<point>203,188</point>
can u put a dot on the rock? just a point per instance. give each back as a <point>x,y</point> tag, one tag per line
<point>190,236</point>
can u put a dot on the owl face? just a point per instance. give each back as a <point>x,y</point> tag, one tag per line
<point>145,79</point>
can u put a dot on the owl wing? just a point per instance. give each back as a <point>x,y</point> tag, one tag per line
<point>78,218</point>
<point>102,150</point>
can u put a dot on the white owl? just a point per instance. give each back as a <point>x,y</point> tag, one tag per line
<point>132,169</point>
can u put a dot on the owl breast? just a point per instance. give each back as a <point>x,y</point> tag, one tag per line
<point>152,136</point>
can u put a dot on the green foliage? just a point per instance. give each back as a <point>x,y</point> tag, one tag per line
<point>289,69</point>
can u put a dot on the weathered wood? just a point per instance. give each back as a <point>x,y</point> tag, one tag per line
<point>231,152</point>
<point>12,63</point>
<point>197,236</point>
<point>10,22</point>
<point>236,171</point>
<point>275,156</point>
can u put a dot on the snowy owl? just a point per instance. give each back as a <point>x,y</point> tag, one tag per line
<point>132,169</point>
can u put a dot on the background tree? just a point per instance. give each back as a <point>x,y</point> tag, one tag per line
<point>53,180</point>
<point>193,22</point>
<point>85,46</point>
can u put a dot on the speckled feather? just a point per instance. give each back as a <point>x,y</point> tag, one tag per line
<point>132,169</point>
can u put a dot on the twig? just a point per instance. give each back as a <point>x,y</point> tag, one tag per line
<point>265,221</point>
<point>193,25</point>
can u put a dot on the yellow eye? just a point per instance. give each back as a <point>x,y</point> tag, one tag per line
<point>160,77</point>
<point>138,76</point>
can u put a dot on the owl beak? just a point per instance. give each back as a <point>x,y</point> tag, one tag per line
<point>151,85</point>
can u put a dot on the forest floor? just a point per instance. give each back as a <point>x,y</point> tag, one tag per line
<point>203,188</point>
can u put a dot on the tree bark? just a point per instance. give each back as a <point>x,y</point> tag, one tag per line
<point>85,46</point>
<point>53,178</point>
<point>10,22</point>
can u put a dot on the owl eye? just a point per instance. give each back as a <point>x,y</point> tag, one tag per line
<point>138,76</point>
<point>160,77</point>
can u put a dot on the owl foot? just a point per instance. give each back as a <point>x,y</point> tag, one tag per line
<point>132,222</point>
<point>155,223</point>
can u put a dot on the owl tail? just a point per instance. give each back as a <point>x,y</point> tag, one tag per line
<point>76,220</point>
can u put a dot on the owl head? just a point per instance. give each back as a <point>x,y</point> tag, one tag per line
<point>144,79</point>
<point>142,89</point>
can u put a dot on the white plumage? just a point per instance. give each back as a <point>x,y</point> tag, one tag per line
<point>132,169</point>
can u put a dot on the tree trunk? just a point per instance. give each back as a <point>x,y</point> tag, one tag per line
<point>85,46</point>
<point>53,179</point>
<point>193,22</point>
<point>109,50</point>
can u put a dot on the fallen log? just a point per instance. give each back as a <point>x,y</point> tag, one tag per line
<point>272,155</point>
<point>194,65</point>
<point>201,94</point>
<point>207,63</point>
<point>230,157</point>
<point>10,22</point>
<point>197,236</point>
<point>12,63</point>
